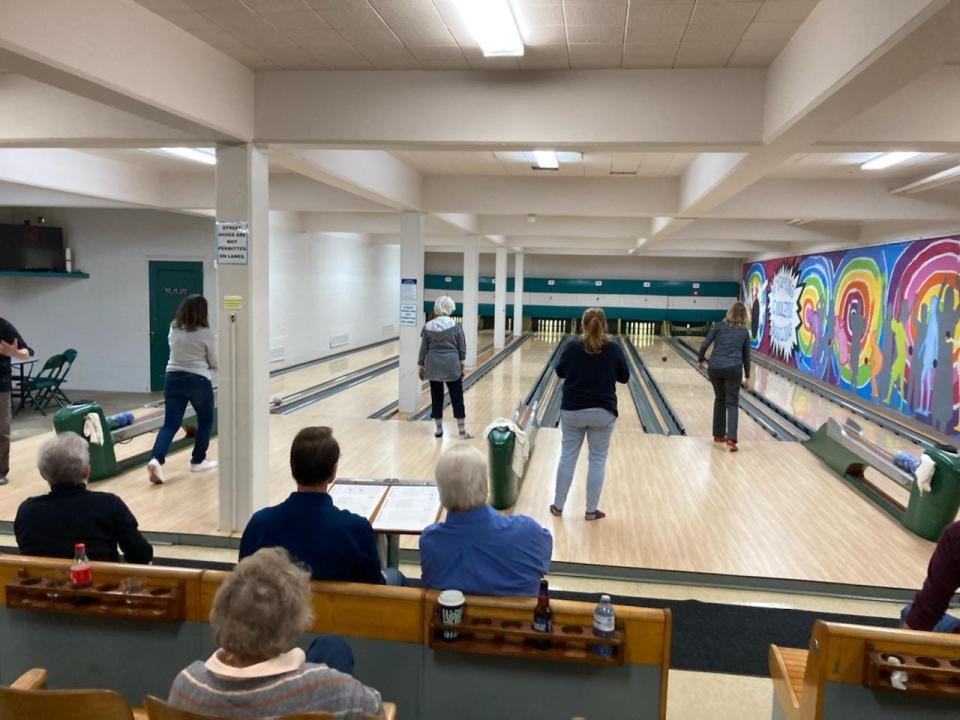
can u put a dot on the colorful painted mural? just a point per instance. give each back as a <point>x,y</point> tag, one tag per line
<point>882,322</point>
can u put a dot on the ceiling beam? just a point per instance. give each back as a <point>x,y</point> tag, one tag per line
<point>371,174</point>
<point>579,110</point>
<point>835,67</point>
<point>118,53</point>
<point>590,197</point>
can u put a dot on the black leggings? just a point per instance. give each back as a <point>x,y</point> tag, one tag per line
<point>726,403</point>
<point>456,398</point>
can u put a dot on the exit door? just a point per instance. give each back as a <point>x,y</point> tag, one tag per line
<point>170,283</point>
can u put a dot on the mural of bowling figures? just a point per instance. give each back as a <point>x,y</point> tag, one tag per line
<point>882,322</point>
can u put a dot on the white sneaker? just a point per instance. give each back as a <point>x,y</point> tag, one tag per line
<point>155,471</point>
<point>203,466</point>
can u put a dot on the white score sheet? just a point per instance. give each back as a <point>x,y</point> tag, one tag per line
<point>408,508</point>
<point>359,499</point>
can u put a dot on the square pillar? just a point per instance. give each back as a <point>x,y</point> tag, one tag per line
<point>518,295</point>
<point>500,299</point>
<point>471,295</point>
<point>411,308</point>
<point>242,306</point>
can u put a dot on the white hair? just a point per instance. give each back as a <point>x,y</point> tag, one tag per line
<point>444,305</point>
<point>63,458</point>
<point>462,478</point>
<point>263,607</point>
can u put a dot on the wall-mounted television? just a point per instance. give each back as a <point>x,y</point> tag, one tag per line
<point>32,247</point>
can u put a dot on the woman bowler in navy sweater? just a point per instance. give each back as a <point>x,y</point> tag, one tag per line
<point>591,366</point>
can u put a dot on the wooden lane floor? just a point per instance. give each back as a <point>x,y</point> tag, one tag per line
<point>674,503</point>
<point>290,382</point>
<point>498,392</point>
<point>689,393</point>
<point>682,503</point>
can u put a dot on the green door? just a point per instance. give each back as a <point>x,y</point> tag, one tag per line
<point>170,283</point>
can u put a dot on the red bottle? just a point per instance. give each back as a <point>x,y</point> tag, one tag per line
<point>81,575</point>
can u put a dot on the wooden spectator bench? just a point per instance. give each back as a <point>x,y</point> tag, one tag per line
<point>845,673</point>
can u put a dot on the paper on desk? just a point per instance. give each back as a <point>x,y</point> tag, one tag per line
<point>359,499</point>
<point>408,508</point>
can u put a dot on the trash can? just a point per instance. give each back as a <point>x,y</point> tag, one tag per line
<point>504,483</point>
<point>930,512</point>
<point>103,461</point>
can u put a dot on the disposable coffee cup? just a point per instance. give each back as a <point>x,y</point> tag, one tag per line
<point>451,604</point>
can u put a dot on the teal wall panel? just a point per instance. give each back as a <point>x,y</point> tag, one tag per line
<point>675,288</point>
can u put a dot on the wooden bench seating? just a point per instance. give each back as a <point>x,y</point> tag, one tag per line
<point>388,629</point>
<point>843,675</point>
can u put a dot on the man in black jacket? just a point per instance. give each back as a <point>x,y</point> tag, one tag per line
<point>11,346</point>
<point>49,525</point>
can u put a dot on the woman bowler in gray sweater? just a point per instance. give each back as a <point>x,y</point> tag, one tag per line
<point>729,365</point>
<point>443,350</point>
<point>189,379</point>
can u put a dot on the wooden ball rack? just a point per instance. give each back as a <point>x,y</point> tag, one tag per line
<point>926,675</point>
<point>161,603</point>
<point>507,637</point>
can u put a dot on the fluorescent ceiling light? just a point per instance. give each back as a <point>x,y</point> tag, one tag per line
<point>931,181</point>
<point>888,159</point>
<point>200,155</point>
<point>493,26</point>
<point>546,159</point>
<point>641,242</point>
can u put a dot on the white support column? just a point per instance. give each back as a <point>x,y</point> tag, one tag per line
<point>471,295</point>
<point>241,301</point>
<point>500,300</point>
<point>411,308</point>
<point>518,295</point>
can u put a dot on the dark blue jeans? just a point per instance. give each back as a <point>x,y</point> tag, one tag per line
<point>182,388</point>
<point>726,401</point>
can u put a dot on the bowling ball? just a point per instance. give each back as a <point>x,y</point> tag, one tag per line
<point>663,358</point>
<point>189,430</point>
<point>275,401</point>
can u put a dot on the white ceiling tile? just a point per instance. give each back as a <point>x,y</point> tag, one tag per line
<point>190,20</point>
<point>447,56</point>
<point>545,57</point>
<point>738,13</point>
<point>162,7</point>
<point>416,22</point>
<point>246,55</point>
<point>595,34</point>
<point>649,56</point>
<point>215,36</point>
<point>595,12</point>
<point>591,55</point>
<point>660,14</point>
<point>528,16</point>
<point>795,11</point>
<point>345,12</point>
<point>217,6</point>
<point>775,31</point>
<point>265,6</point>
<point>755,54</point>
<point>544,35</point>
<point>655,34</point>
<point>295,20</point>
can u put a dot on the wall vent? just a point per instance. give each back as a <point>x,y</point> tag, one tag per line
<point>388,330</point>
<point>339,340</point>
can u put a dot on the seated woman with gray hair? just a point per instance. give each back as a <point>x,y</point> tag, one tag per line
<point>258,614</point>
<point>443,351</point>
<point>50,525</point>
<point>476,549</point>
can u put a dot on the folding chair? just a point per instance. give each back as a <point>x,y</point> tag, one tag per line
<point>56,393</point>
<point>38,388</point>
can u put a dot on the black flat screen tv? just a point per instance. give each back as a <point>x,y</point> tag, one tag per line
<point>32,247</point>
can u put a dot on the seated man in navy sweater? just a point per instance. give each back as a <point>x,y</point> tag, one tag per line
<point>476,549</point>
<point>335,544</point>
<point>49,525</point>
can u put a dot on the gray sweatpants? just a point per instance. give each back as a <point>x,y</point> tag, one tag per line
<point>597,425</point>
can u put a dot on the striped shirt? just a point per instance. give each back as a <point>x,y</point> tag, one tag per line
<point>285,685</point>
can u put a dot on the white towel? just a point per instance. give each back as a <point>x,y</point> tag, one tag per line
<point>522,445</point>
<point>93,429</point>
<point>924,473</point>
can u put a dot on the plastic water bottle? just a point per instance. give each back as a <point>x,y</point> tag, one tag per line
<point>604,624</point>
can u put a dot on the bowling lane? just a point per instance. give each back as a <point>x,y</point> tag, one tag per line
<point>295,380</point>
<point>815,410</point>
<point>498,392</point>
<point>688,392</point>
<point>627,418</point>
